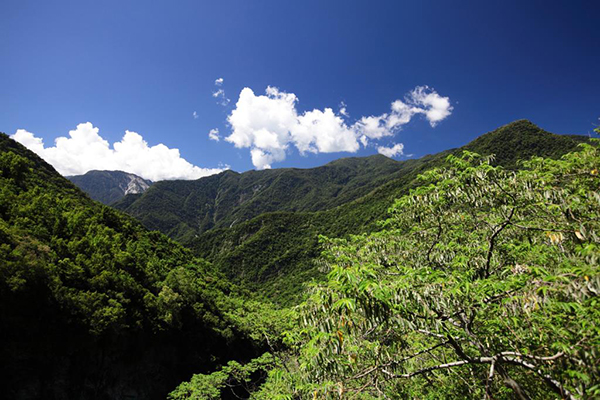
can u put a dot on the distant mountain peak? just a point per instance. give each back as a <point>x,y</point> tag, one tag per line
<point>520,140</point>
<point>110,186</point>
<point>522,126</point>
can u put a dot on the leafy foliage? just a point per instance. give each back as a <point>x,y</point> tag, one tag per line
<point>483,283</point>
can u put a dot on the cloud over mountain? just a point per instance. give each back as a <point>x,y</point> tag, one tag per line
<point>393,151</point>
<point>86,150</point>
<point>270,124</point>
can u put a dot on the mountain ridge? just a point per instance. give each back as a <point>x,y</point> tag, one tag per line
<point>183,209</point>
<point>237,251</point>
<point>262,227</point>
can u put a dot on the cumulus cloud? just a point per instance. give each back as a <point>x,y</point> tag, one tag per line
<point>270,124</point>
<point>395,150</point>
<point>214,135</point>
<point>435,107</point>
<point>195,115</point>
<point>319,131</point>
<point>219,81</point>
<point>86,150</point>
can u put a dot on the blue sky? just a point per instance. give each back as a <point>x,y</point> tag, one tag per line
<point>146,67</point>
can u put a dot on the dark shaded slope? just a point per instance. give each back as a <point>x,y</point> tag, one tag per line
<point>183,209</point>
<point>92,305</point>
<point>276,252</point>
<point>110,186</point>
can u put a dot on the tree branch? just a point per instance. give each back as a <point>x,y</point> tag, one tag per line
<point>492,242</point>
<point>508,357</point>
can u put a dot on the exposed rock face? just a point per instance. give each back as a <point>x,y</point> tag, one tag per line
<point>135,185</point>
<point>110,186</point>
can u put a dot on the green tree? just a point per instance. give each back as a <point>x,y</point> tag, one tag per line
<point>484,283</point>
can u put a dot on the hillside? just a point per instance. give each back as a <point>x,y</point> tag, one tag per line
<point>94,306</point>
<point>275,252</point>
<point>110,186</point>
<point>184,209</point>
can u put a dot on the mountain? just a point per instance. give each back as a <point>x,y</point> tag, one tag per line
<point>184,209</point>
<point>262,227</point>
<point>522,140</point>
<point>276,252</point>
<point>110,186</point>
<point>93,305</point>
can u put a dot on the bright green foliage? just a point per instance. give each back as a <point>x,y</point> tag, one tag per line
<point>483,283</point>
<point>239,379</point>
<point>261,323</point>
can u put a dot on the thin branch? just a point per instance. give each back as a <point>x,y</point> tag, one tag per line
<point>489,379</point>
<point>428,369</point>
<point>422,352</point>
<point>553,383</point>
<point>493,239</point>
<point>519,355</point>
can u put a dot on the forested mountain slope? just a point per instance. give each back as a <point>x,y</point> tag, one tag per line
<point>276,251</point>
<point>482,283</point>
<point>110,186</point>
<point>92,305</point>
<point>184,209</point>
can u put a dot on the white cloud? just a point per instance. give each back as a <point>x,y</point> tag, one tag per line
<point>219,94</point>
<point>86,150</point>
<point>373,127</point>
<point>263,123</point>
<point>269,124</point>
<point>422,100</point>
<point>436,108</point>
<point>195,115</point>
<point>343,110</point>
<point>323,132</point>
<point>214,135</point>
<point>395,150</point>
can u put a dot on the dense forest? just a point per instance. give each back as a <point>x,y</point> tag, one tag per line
<point>93,305</point>
<point>472,273</point>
